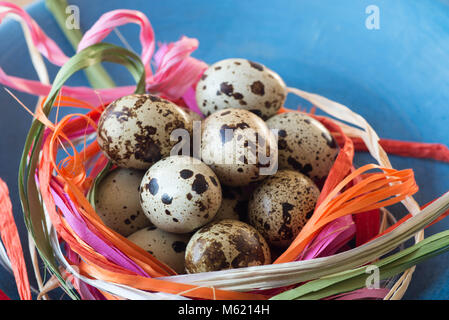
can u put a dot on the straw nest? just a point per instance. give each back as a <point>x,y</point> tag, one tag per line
<point>62,163</point>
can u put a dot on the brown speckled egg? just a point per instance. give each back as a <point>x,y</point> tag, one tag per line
<point>180,194</point>
<point>281,206</point>
<point>238,146</point>
<point>134,131</point>
<point>243,84</point>
<point>226,244</point>
<point>305,145</point>
<point>117,201</point>
<point>166,247</point>
<point>234,204</point>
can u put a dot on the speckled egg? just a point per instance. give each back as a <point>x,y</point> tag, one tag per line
<point>234,204</point>
<point>226,244</point>
<point>243,84</point>
<point>134,131</point>
<point>166,247</point>
<point>180,194</point>
<point>238,146</point>
<point>305,145</point>
<point>117,201</point>
<point>281,206</point>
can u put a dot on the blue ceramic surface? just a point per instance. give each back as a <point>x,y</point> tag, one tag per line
<point>395,76</point>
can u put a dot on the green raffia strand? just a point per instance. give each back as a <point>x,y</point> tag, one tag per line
<point>28,191</point>
<point>92,195</point>
<point>350,280</point>
<point>96,74</point>
<point>32,207</point>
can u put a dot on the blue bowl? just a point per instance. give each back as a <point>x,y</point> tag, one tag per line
<point>393,70</point>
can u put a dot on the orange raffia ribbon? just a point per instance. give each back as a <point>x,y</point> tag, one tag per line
<point>376,191</point>
<point>11,240</point>
<point>73,177</point>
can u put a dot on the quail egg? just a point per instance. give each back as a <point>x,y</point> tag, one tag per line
<point>166,247</point>
<point>281,206</point>
<point>226,244</point>
<point>134,131</point>
<point>304,144</point>
<point>180,194</point>
<point>238,146</point>
<point>117,201</point>
<point>243,84</point>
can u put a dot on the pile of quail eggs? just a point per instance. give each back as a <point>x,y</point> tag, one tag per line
<point>243,199</point>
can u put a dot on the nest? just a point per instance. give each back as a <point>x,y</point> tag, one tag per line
<point>107,264</point>
<point>62,163</point>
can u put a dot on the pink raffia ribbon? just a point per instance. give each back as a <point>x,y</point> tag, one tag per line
<point>176,71</point>
<point>330,239</point>
<point>86,94</point>
<point>113,19</point>
<point>86,232</point>
<point>46,46</point>
<point>361,294</point>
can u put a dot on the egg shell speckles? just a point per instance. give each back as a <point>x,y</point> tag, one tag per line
<point>226,244</point>
<point>166,247</point>
<point>117,201</point>
<point>234,204</point>
<point>281,206</point>
<point>305,145</point>
<point>180,194</point>
<point>240,83</point>
<point>134,131</point>
<point>238,146</point>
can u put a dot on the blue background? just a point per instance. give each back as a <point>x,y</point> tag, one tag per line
<point>396,77</point>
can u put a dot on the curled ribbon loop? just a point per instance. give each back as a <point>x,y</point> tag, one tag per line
<point>176,71</point>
